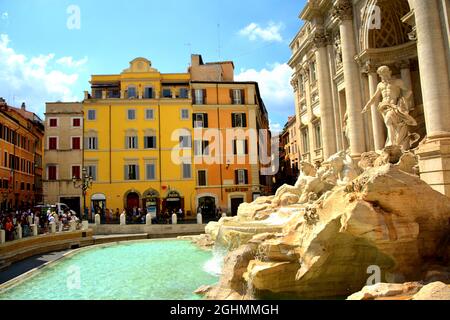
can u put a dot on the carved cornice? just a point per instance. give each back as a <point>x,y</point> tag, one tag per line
<point>343,10</point>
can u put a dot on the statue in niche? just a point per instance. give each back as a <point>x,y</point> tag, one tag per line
<point>338,51</point>
<point>394,107</point>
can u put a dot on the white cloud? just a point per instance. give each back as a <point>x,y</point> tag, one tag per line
<point>275,88</point>
<point>70,62</point>
<point>270,34</point>
<point>33,80</point>
<point>275,127</point>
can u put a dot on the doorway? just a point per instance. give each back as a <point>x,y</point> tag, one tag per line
<point>207,206</point>
<point>235,203</point>
<point>132,200</point>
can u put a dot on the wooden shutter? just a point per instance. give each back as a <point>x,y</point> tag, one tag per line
<point>193,96</point>
<point>243,96</point>
<point>204,96</point>
<point>244,120</point>
<point>234,147</point>
<point>125,172</point>
<point>236,176</point>
<point>233,120</point>
<point>246,176</point>
<point>246,147</point>
<point>205,120</point>
<point>137,172</point>
<point>194,115</point>
<point>231,97</point>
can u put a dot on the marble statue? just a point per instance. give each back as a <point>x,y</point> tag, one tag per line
<point>394,107</point>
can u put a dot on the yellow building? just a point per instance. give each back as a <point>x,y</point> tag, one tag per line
<point>131,127</point>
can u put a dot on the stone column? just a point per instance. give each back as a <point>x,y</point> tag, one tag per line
<point>406,77</point>
<point>344,12</point>
<point>326,102</point>
<point>379,137</point>
<point>433,68</point>
<point>434,153</point>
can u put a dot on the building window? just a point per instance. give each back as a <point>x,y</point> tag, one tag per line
<point>51,173</point>
<point>131,142</point>
<point>200,120</point>
<point>241,176</point>
<point>238,120</point>
<point>22,186</point>
<point>53,122</point>
<point>150,171</point>
<point>185,141</point>
<point>131,172</point>
<point>91,143</point>
<point>305,140</point>
<point>240,147</point>
<point>184,114</point>
<point>201,147</point>
<point>199,96</point>
<point>76,172</point>
<point>318,135</point>
<point>149,114</point>
<point>131,114</point>
<point>98,94</point>
<point>187,171</point>
<point>76,122</point>
<point>131,92</point>
<point>76,143</point>
<point>237,96</point>
<point>167,93</point>
<point>52,143</point>
<point>201,178</point>
<point>148,93</point>
<point>91,171</point>
<point>5,160</point>
<point>150,142</point>
<point>184,93</point>
<point>92,115</point>
<point>28,186</point>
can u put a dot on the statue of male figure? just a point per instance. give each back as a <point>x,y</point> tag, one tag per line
<point>394,107</point>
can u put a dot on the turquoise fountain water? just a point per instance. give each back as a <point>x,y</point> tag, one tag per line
<point>149,270</point>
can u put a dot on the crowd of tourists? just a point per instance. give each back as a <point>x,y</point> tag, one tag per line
<point>11,219</point>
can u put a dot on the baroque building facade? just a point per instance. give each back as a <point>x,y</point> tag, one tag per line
<point>335,58</point>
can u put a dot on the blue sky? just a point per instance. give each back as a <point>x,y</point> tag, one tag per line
<point>42,59</point>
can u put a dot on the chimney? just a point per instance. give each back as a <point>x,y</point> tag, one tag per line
<point>196,60</point>
<point>23,107</point>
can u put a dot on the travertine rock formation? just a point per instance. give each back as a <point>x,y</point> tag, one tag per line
<point>385,217</point>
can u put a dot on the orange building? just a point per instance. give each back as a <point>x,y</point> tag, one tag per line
<point>227,118</point>
<point>21,134</point>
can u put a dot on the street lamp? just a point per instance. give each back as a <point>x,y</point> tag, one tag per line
<point>83,183</point>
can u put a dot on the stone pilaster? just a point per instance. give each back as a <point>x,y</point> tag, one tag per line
<point>343,11</point>
<point>321,40</point>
